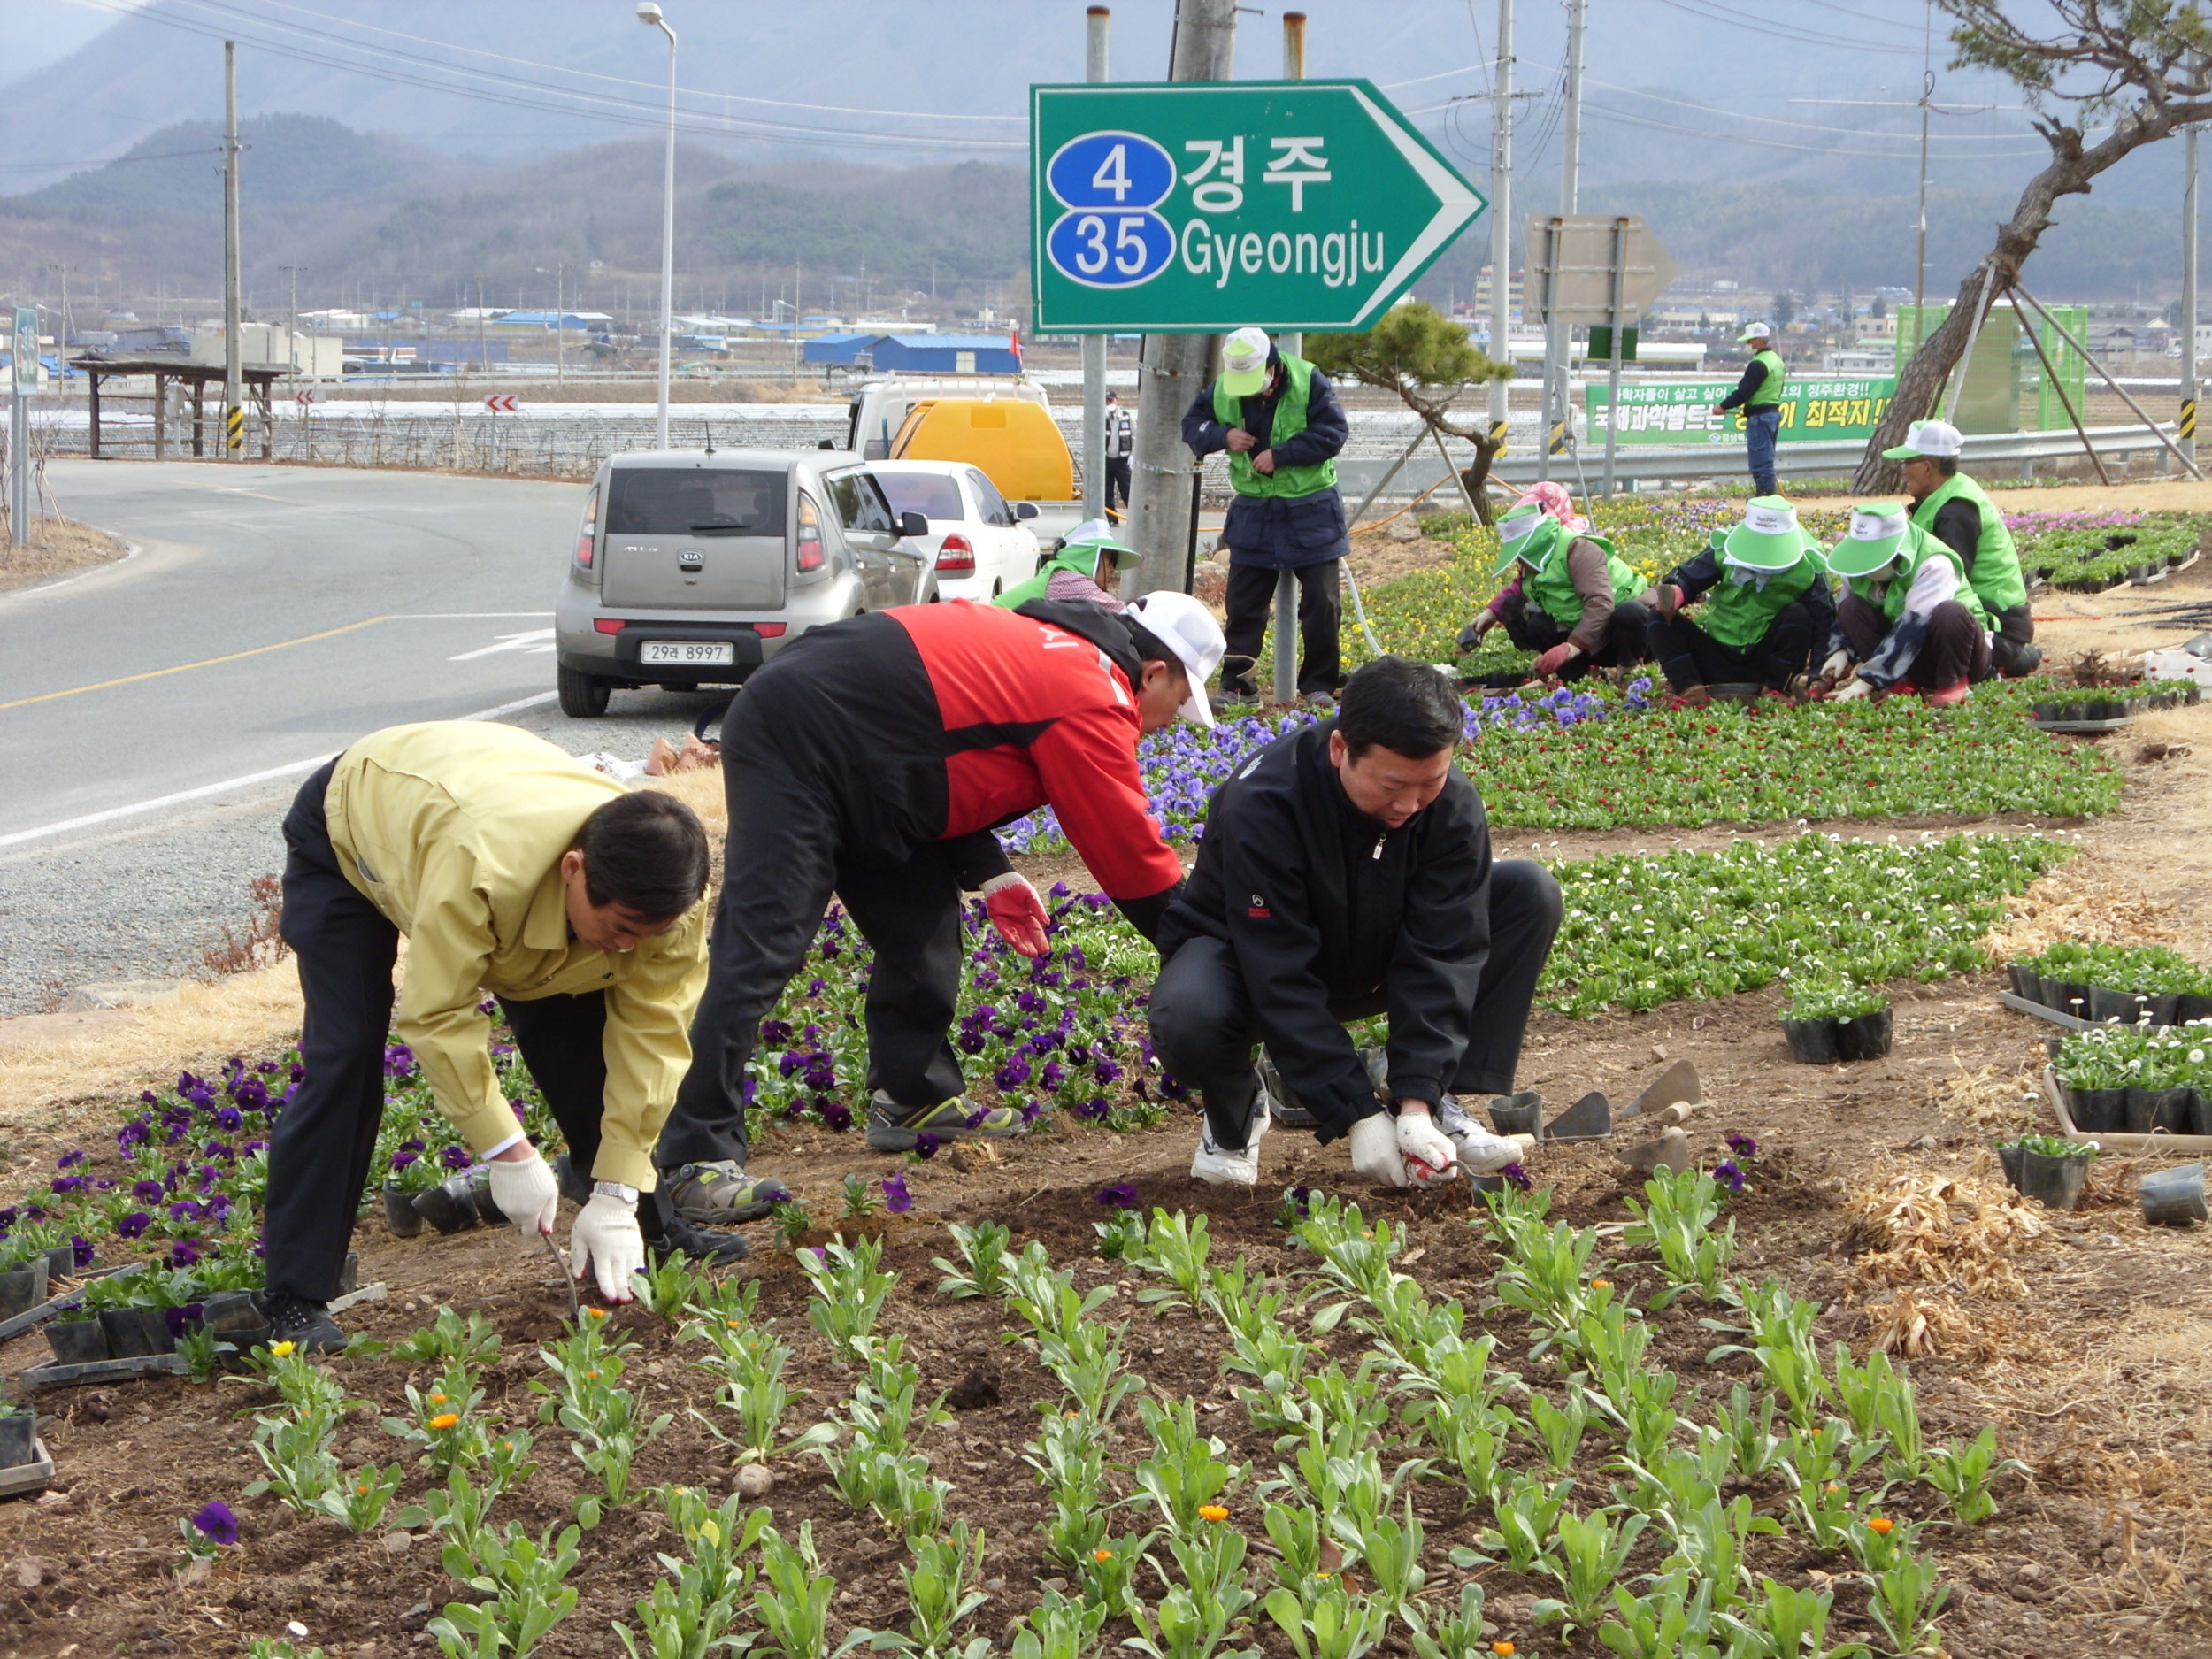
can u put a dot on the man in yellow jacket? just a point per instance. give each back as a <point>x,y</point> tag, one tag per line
<point>515,871</point>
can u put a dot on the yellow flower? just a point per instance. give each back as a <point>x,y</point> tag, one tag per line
<point>1212,1512</point>
<point>445,1419</point>
<point>1324,1575</point>
<point>280,1350</point>
<point>1881,1524</point>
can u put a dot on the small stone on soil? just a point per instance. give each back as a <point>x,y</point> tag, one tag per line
<point>755,1481</point>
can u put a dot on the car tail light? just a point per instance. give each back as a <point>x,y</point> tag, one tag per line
<point>770,630</point>
<point>810,556</point>
<point>588,533</point>
<point>955,554</point>
<point>609,625</point>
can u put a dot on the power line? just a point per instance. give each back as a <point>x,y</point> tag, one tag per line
<point>111,161</point>
<point>1719,13</point>
<point>1628,119</point>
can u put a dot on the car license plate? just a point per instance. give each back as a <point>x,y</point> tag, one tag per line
<point>687,653</point>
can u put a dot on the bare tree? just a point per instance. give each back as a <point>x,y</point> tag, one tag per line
<point>2140,68</point>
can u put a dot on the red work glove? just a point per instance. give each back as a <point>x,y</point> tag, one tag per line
<point>1016,913</point>
<point>1557,658</point>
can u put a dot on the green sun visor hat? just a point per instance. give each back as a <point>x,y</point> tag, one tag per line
<point>1091,547</point>
<point>1769,538</point>
<point>1875,537</point>
<point>1527,533</point>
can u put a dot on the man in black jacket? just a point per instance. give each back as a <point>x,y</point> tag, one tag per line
<point>1345,872</point>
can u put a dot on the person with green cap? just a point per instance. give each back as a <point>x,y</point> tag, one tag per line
<point>1759,394</point>
<point>1953,508</point>
<point>1907,617</point>
<point>1278,418</point>
<point>1082,566</point>
<point>1766,603</point>
<point>1574,599</point>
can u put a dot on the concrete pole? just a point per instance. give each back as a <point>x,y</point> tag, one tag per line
<point>2188,433</point>
<point>1096,20</point>
<point>233,398</point>
<point>1290,344</point>
<point>23,382</point>
<point>668,234</point>
<point>1501,220</point>
<point>1555,412</point>
<point>1176,367</point>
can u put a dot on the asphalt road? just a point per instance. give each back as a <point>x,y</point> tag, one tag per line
<point>157,714</point>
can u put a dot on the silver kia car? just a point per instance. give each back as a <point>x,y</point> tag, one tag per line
<point>692,568</point>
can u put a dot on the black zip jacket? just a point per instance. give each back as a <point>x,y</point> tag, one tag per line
<point>1323,906</point>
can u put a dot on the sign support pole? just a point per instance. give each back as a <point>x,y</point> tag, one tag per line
<point>233,399</point>
<point>2188,432</point>
<point>1501,226</point>
<point>1613,355</point>
<point>1290,344</point>
<point>1096,20</point>
<point>1175,367</point>
<point>1557,417</point>
<point>24,378</point>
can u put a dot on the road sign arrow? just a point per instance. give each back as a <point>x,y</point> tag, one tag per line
<point>306,395</point>
<point>504,402</point>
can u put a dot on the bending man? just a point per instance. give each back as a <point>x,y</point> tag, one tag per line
<point>1766,606</point>
<point>1345,872</point>
<point>1908,615</point>
<point>1572,598</point>
<point>512,868</point>
<point>871,759</point>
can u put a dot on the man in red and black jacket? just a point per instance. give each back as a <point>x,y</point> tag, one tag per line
<point>873,759</point>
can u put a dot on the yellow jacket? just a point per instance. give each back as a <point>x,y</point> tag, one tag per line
<point>455,831</point>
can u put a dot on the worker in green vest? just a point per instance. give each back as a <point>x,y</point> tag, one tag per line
<point>1762,606</point>
<point>1906,618</point>
<point>1082,566</point>
<point>1954,509</point>
<point>1571,598</point>
<point>1278,418</point>
<point>1759,394</point>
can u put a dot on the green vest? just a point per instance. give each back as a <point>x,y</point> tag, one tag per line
<point>1290,420</point>
<point>1081,560</point>
<point>1996,573</point>
<point>1922,547</point>
<point>1553,589</point>
<point>1739,614</point>
<point>1770,388</point>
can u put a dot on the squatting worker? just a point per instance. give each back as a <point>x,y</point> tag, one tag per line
<point>1763,606</point>
<point>1955,509</point>
<point>1571,599</point>
<point>514,869</point>
<point>871,759</point>
<point>1346,872</point>
<point>1120,445</point>
<point>1082,566</point>
<point>1278,420</point>
<point>1759,394</point>
<point>1908,616</point>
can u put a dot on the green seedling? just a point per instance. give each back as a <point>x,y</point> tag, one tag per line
<point>1331,1624</point>
<point>1058,1628</point>
<point>680,1621</point>
<point>1106,1576</point>
<point>983,1250</point>
<point>792,1222</point>
<point>1458,1633</point>
<point>1176,1250</point>
<point>1666,1622</point>
<point>1185,1473</point>
<point>1391,1552</point>
<point>1592,1550</point>
<point>668,1290</point>
<point>1559,1432</point>
<point>1710,1543</point>
<point>1527,1521</point>
<point>474,1343</point>
<point>940,1592</point>
<point>1905,1600</point>
<point>1193,1619</point>
<point>719,1540</point>
<point>1963,1474</point>
<point>520,1583</point>
<point>1791,1624</point>
<point>1070,1459</point>
<point>1121,1237</point>
<point>792,1600</point>
<point>1782,1340</point>
<point>357,1501</point>
<point>1749,1431</point>
<point>1675,1223</point>
<point>860,1196</point>
<point>848,1293</point>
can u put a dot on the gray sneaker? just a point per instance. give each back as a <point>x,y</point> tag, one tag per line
<point>895,1128</point>
<point>720,1194</point>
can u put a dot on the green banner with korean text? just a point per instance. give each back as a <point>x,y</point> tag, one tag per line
<point>1679,414</point>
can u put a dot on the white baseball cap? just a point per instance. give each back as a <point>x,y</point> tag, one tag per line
<point>1757,331</point>
<point>1937,438</point>
<point>1188,629</point>
<point>1244,362</point>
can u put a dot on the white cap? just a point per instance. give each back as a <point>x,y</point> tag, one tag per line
<point>1244,362</point>
<point>1188,629</point>
<point>1089,530</point>
<point>1757,331</point>
<point>1937,438</point>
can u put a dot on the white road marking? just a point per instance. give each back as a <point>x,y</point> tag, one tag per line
<point>534,640</point>
<point>466,616</point>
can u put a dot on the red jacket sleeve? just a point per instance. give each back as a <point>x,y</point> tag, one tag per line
<point>1087,763</point>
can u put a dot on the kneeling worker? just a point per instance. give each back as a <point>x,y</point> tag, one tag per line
<point>1955,509</point>
<point>1766,606</point>
<point>1082,566</point>
<point>1572,598</point>
<point>1345,872</point>
<point>1908,615</point>
<point>871,759</point>
<point>513,869</point>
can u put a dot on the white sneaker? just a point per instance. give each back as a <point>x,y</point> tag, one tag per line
<point>1220,1167</point>
<point>1480,1152</point>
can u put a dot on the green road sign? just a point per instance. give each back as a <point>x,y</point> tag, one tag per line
<point>1200,206</point>
<point>1680,412</point>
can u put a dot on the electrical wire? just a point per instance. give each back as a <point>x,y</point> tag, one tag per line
<point>112,161</point>
<point>1720,13</point>
<point>1627,118</point>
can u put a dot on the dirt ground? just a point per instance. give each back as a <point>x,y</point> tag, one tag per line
<point>57,547</point>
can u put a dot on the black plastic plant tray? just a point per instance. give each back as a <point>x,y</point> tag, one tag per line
<point>52,1376</point>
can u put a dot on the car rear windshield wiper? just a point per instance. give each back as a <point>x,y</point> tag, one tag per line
<point>726,525</point>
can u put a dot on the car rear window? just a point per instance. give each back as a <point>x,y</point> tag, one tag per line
<point>695,501</point>
<point>930,494</point>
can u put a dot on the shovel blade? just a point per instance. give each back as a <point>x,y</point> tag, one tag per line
<point>1589,1118</point>
<point>1673,1087</point>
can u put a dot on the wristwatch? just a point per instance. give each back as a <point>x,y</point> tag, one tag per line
<point>615,1189</point>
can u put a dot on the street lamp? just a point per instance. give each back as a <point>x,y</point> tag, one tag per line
<point>649,14</point>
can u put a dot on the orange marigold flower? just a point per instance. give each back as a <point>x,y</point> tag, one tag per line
<point>1881,1524</point>
<point>437,1399</point>
<point>1601,1284</point>
<point>1212,1512</point>
<point>445,1419</point>
<point>1102,1555</point>
<point>595,1313</point>
<point>1504,1647</point>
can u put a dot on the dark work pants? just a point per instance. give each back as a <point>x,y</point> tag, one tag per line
<point>1691,657</point>
<point>1116,481</point>
<point>780,867</point>
<point>1956,646</point>
<point>1250,604</point>
<point>320,1148</point>
<point>2011,648</point>
<point>1532,628</point>
<point>1762,427</point>
<point>1205,1029</point>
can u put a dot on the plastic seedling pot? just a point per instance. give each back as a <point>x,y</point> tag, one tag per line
<point>2026,982</point>
<point>1866,1038</point>
<point>1812,1042</point>
<point>2097,1110</point>
<point>22,1286</point>
<point>2189,1006</point>
<point>2067,997</point>
<point>480,1180</point>
<point>19,1439</point>
<point>2176,1111</point>
<point>2139,1110</point>
<point>61,1263</point>
<point>449,1206</point>
<point>2173,1198</point>
<point>2126,1006</point>
<point>2057,1182</point>
<point>401,1219</point>
<point>1736,691</point>
<point>1521,1114</point>
<point>2009,1158</point>
<point>77,1341</point>
<point>2200,1111</point>
<point>135,1332</point>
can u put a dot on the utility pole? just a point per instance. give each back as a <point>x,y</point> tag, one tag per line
<point>1175,367</point>
<point>23,377</point>
<point>233,397</point>
<point>1096,20</point>
<point>1291,345</point>
<point>2188,430</point>
<point>1557,415</point>
<point>1501,220</point>
<point>649,14</point>
<point>292,316</point>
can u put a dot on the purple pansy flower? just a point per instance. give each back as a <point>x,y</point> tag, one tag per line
<point>216,1522</point>
<point>1118,1195</point>
<point>897,1199</point>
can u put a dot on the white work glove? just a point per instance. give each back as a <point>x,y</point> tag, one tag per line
<point>1375,1153</point>
<point>1836,667</point>
<point>1430,1157</point>
<point>606,1239</point>
<point>1853,692</point>
<point>525,1192</point>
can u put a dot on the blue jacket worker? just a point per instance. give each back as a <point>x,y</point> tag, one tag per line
<point>1759,394</point>
<point>1763,606</point>
<point>1278,420</point>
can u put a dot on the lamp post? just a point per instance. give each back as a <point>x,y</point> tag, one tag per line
<point>649,14</point>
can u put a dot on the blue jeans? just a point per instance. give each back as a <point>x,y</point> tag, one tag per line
<point>1761,427</point>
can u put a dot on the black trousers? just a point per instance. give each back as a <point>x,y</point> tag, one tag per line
<point>1691,657</point>
<point>321,1149</point>
<point>1956,646</point>
<point>1532,628</point>
<point>2012,650</point>
<point>780,867</point>
<point>1205,1030</point>
<point>1250,603</point>
<point>1116,481</point>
